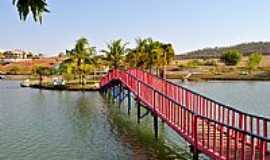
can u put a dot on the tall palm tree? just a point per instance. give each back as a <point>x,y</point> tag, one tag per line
<point>150,54</point>
<point>166,54</point>
<point>81,56</point>
<point>36,7</point>
<point>115,53</point>
<point>146,53</point>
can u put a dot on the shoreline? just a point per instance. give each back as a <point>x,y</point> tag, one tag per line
<point>172,76</point>
<point>62,88</point>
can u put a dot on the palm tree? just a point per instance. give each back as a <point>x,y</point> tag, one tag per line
<point>36,7</point>
<point>81,56</point>
<point>146,53</point>
<point>115,53</point>
<point>166,54</point>
<point>150,54</point>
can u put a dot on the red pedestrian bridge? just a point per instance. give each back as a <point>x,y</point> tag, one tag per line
<point>212,128</point>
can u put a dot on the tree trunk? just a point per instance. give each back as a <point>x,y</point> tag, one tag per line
<point>40,79</point>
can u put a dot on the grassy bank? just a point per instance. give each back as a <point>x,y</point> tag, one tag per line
<point>215,69</point>
<point>91,85</point>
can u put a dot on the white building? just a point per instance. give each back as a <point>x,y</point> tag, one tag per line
<point>17,55</point>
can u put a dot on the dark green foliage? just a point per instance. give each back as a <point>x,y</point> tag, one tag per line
<point>231,57</point>
<point>36,7</point>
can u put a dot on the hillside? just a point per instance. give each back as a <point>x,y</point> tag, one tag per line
<point>26,67</point>
<point>244,48</point>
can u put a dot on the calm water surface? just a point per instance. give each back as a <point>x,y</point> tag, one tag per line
<point>248,96</point>
<point>53,125</point>
<point>41,125</point>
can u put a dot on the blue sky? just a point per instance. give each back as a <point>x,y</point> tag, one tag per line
<point>187,24</point>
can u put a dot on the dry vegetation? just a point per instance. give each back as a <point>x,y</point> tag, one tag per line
<point>26,67</point>
<point>215,69</point>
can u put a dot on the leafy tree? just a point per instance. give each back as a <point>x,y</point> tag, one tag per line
<point>36,7</point>
<point>81,56</point>
<point>67,70</point>
<point>232,57</point>
<point>254,60</point>
<point>41,71</point>
<point>116,50</point>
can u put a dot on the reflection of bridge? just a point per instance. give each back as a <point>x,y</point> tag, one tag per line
<point>212,128</point>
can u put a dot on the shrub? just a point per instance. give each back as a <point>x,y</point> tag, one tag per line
<point>194,63</point>
<point>14,70</point>
<point>231,57</point>
<point>210,63</point>
<point>254,60</point>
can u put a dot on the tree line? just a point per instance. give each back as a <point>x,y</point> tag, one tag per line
<point>83,59</point>
<point>233,57</point>
<point>245,49</point>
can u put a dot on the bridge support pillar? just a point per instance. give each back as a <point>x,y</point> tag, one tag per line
<point>138,111</point>
<point>113,93</point>
<point>195,152</point>
<point>155,126</point>
<point>129,102</point>
<point>119,94</point>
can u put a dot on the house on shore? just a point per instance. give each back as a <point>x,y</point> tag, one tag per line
<point>17,56</point>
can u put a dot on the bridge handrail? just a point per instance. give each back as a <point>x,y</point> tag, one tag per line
<point>234,117</point>
<point>212,100</point>
<point>187,109</point>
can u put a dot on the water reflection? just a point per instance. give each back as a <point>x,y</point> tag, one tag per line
<point>40,124</point>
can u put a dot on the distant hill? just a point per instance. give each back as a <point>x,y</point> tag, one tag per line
<point>244,48</point>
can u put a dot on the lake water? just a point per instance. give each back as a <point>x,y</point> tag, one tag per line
<point>41,125</point>
<point>248,96</point>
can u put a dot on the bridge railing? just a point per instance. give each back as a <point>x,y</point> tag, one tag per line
<point>178,117</point>
<point>202,129</point>
<point>207,107</point>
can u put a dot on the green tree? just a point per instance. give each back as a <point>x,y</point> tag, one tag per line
<point>232,57</point>
<point>150,54</point>
<point>41,71</point>
<point>67,70</point>
<point>137,57</point>
<point>80,56</point>
<point>254,60</point>
<point>115,52</point>
<point>165,55</point>
<point>36,7</point>
<point>146,54</point>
